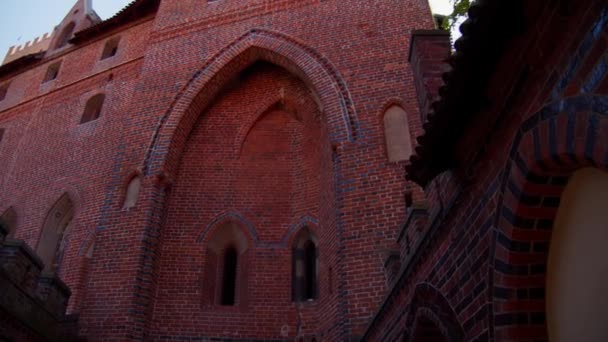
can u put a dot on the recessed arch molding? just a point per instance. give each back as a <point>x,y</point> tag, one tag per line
<point>540,164</point>
<point>314,69</point>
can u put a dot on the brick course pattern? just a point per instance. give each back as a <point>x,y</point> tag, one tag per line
<point>266,115</point>
<point>483,253</point>
<point>235,125</point>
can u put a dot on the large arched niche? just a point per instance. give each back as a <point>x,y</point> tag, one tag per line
<point>536,176</point>
<point>316,71</point>
<point>577,267</point>
<point>258,147</point>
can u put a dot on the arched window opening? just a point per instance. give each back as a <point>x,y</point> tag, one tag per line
<point>229,276</point>
<point>132,192</point>
<point>52,72</point>
<point>305,267</point>
<point>111,48</point>
<point>397,134</point>
<point>576,279</point>
<point>310,261</point>
<point>66,35</point>
<point>92,110</point>
<point>225,270</point>
<point>8,220</point>
<point>56,226</point>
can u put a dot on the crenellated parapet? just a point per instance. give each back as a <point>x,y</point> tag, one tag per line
<point>39,44</point>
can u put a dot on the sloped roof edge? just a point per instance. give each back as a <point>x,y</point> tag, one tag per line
<point>485,34</point>
<point>135,10</point>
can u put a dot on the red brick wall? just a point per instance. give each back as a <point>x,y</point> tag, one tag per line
<point>485,250</point>
<point>350,56</point>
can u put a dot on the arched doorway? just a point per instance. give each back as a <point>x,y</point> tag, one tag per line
<point>577,268</point>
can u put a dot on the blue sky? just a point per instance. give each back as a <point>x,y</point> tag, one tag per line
<point>24,20</point>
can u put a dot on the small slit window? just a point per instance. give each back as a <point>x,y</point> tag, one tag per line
<point>111,48</point>
<point>92,109</point>
<point>305,267</point>
<point>52,72</point>
<point>229,276</point>
<point>1,134</point>
<point>3,91</point>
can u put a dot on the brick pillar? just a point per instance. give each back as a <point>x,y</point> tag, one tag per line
<point>429,51</point>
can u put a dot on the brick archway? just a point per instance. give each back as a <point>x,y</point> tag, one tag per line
<point>563,137</point>
<point>315,70</point>
<point>431,313</point>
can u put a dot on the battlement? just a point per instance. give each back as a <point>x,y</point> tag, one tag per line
<point>39,44</point>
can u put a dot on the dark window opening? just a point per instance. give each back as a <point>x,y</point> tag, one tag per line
<point>92,110</point>
<point>52,72</point>
<point>310,279</point>
<point>110,49</point>
<point>3,91</point>
<point>229,277</point>
<point>8,220</point>
<point>1,133</point>
<point>66,34</point>
<point>305,268</point>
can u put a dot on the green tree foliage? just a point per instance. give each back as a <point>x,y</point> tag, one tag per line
<point>459,11</point>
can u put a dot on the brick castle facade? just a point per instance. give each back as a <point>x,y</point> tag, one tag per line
<point>310,170</point>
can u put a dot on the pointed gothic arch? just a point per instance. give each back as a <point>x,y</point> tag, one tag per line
<point>316,71</point>
<point>54,230</point>
<point>305,266</point>
<point>66,35</point>
<point>225,269</point>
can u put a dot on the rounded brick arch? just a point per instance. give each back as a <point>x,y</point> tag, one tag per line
<point>550,146</point>
<point>315,70</point>
<point>429,304</point>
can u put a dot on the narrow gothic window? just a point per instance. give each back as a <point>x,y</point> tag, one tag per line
<point>52,72</point>
<point>1,133</point>
<point>111,48</point>
<point>225,269</point>
<point>92,110</point>
<point>229,276</point>
<point>52,241</point>
<point>397,134</point>
<point>310,262</point>
<point>305,267</point>
<point>66,34</point>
